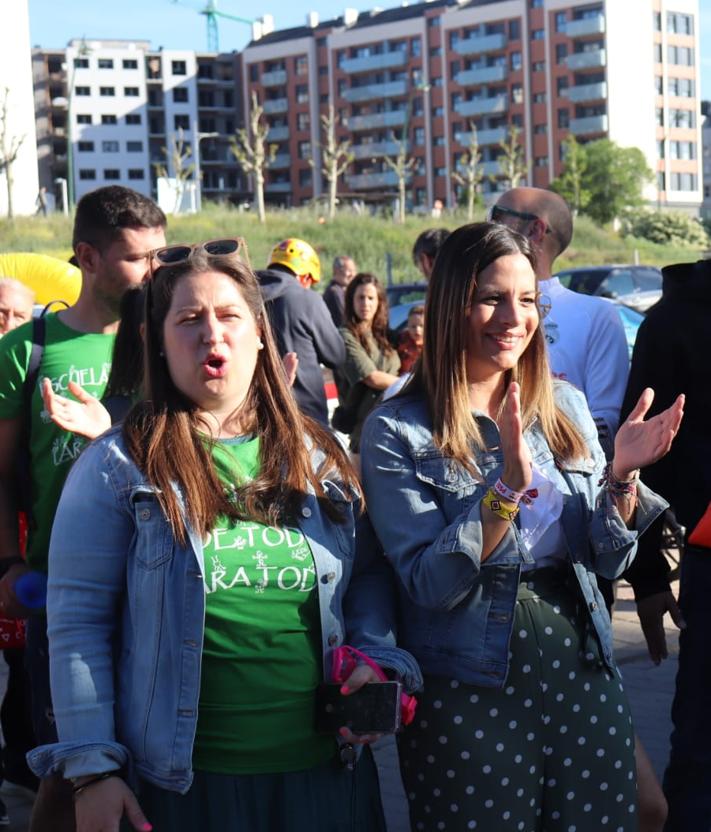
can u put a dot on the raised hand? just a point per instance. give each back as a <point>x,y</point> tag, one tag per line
<point>517,473</point>
<point>86,416</point>
<point>639,443</point>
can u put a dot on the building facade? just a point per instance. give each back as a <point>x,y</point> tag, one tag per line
<point>116,112</point>
<point>419,77</point>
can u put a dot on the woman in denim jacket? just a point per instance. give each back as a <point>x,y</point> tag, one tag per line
<point>202,568</point>
<point>523,724</point>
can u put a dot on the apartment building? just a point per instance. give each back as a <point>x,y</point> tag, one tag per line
<point>121,108</point>
<point>427,73</point>
<point>706,158</point>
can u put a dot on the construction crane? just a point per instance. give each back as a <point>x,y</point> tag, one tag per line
<point>211,13</point>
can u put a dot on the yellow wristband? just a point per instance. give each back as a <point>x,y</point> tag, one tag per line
<point>502,508</point>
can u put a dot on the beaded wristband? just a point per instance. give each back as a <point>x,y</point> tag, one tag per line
<point>512,496</point>
<point>504,509</point>
<point>619,488</point>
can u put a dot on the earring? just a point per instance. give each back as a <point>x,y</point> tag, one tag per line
<point>161,354</point>
<point>260,344</point>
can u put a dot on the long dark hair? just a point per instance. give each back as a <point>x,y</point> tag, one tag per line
<point>442,371</point>
<point>126,378</point>
<point>379,326</point>
<point>166,438</point>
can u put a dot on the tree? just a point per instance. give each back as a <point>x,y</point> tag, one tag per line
<point>177,163</point>
<point>570,184</point>
<point>335,155</point>
<point>9,148</point>
<point>469,173</point>
<point>615,177</point>
<point>252,152</point>
<point>402,165</point>
<point>512,160</point>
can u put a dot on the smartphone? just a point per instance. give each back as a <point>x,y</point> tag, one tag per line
<point>373,709</point>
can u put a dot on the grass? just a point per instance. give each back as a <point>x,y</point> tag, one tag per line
<point>369,240</point>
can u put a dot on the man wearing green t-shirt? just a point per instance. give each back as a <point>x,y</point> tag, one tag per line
<point>114,230</point>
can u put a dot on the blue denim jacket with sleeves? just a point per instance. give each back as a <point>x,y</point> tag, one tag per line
<point>126,610</point>
<point>457,612</point>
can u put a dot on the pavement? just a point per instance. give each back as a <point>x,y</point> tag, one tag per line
<point>650,690</point>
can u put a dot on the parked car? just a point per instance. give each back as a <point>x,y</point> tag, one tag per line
<point>401,298</point>
<point>638,287</point>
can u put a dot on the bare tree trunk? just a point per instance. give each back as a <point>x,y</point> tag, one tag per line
<point>470,202</point>
<point>332,189</point>
<point>259,188</point>
<point>401,187</point>
<point>8,179</point>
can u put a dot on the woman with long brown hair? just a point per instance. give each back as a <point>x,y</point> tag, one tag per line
<point>372,363</point>
<point>489,492</point>
<point>203,566</point>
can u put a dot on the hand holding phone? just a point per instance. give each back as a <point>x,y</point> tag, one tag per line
<point>371,710</point>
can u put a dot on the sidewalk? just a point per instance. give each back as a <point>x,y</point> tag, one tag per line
<point>649,688</point>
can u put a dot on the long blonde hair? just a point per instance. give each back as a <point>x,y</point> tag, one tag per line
<point>442,371</point>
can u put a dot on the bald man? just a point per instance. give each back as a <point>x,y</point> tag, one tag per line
<point>16,302</point>
<point>586,339</point>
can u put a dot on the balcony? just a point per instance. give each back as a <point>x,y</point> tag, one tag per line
<point>393,118</point>
<point>364,181</point>
<point>276,105</point>
<point>481,75</point>
<point>586,92</point>
<point>371,91</point>
<point>481,43</point>
<point>594,59</point>
<point>494,136</point>
<point>482,106</point>
<point>486,168</point>
<point>280,161</point>
<point>585,26</point>
<point>371,150</point>
<point>278,187</point>
<point>371,63</point>
<point>278,134</point>
<point>587,125</point>
<point>276,78</point>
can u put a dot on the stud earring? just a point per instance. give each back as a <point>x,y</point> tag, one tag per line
<point>260,344</point>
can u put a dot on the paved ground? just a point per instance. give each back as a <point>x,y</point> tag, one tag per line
<point>650,690</point>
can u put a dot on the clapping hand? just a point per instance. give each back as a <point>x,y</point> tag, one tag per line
<point>639,443</point>
<point>518,472</point>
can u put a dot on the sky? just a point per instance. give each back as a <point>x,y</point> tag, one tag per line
<point>178,25</point>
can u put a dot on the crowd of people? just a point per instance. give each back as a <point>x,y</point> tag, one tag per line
<point>212,539</point>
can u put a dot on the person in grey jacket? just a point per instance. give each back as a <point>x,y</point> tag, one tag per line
<point>301,321</point>
<point>488,489</point>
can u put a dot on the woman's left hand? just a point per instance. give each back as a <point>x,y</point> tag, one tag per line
<point>362,675</point>
<point>639,443</point>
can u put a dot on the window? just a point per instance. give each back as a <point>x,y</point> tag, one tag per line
<point>514,29</point>
<point>661,181</point>
<point>440,171</point>
<point>660,148</point>
<point>419,137</point>
<point>180,95</point>
<point>181,122</point>
<point>657,23</point>
<point>517,93</point>
<point>659,116</point>
<point>680,55</point>
<point>562,84</point>
<point>563,119</point>
<point>433,21</point>
<point>112,174</point>
<point>516,61</point>
<point>680,24</point>
<point>538,34</point>
<point>136,173</point>
<point>541,161</point>
<point>82,90</point>
<point>305,178</point>
<point>436,51</point>
<point>560,21</point>
<point>87,173</point>
<point>85,147</point>
<point>439,141</point>
<point>682,118</point>
<point>133,118</point>
<point>681,87</point>
<point>304,150</point>
<point>105,63</point>
<point>107,91</point>
<point>618,283</point>
<point>437,112</point>
<point>539,98</point>
<point>301,65</point>
<point>108,119</point>
<point>130,63</point>
<point>303,121</point>
<point>658,84</point>
<point>682,181</point>
<point>561,52</point>
<point>323,70</point>
<point>438,81</point>
<point>83,118</point>
<point>682,150</point>
<point>109,147</point>
<point>81,63</point>
<point>418,107</point>
<point>178,68</point>
<point>540,129</point>
<point>536,4</point>
<point>302,93</point>
<point>416,47</point>
<point>130,92</point>
<point>134,147</point>
<point>657,53</point>
<point>539,66</point>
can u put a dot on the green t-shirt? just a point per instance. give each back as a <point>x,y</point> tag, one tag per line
<point>261,659</point>
<point>68,356</point>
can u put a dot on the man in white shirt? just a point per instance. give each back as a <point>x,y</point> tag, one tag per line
<point>586,339</point>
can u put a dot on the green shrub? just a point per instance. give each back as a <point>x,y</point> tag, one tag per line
<point>666,228</point>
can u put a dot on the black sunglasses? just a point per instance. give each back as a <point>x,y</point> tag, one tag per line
<point>499,212</point>
<point>174,255</point>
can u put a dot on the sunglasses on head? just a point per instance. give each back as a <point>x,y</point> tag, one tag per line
<point>498,213</point>
<point>174,255</point>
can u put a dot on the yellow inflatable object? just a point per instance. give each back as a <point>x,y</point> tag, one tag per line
<point>48,277</point>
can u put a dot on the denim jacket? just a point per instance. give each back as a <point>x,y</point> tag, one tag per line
<point>457,612</point>
<point>126,611</point>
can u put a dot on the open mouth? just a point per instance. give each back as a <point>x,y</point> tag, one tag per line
<point>215,366</point>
